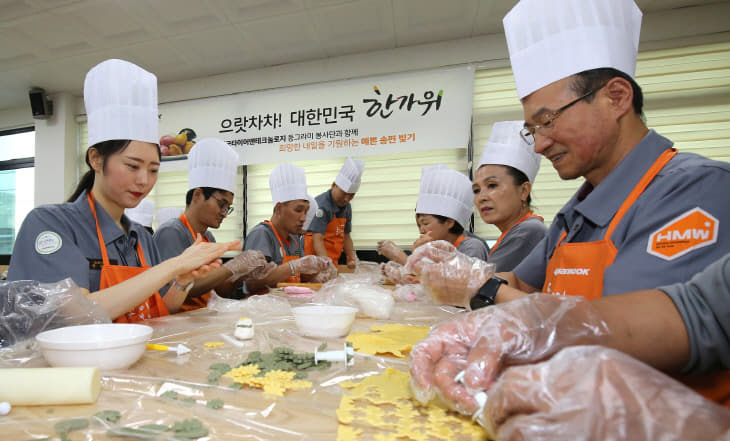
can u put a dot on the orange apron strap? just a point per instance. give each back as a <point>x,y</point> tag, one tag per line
<point>185,222</point>
<point>459,241</point>
<point>99,236</point>
<point>639,189</point>
<point>501,236</point>
<point>281,243</point>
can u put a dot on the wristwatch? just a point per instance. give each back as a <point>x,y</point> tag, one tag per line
<point>487,293</point>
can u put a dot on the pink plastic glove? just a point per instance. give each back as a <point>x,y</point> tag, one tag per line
<point>245,263</point>
<point>596,393</point>
<point>483,342</point>
<point>393,252</point>
<point>397,273</point>
<point>450,277</point>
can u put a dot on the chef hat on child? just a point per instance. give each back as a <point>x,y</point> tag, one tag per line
<point>212,163</point>
<point>549,40</point>
<point>348,179</point>
<point>165,214</point>
<point>506,147</point>
<point>121,102</point>
<point>142,213</point>
<point>445,192</point>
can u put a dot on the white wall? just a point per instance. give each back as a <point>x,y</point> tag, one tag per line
<point>56,138</point>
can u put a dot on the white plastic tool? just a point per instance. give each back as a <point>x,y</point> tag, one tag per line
<point>180,349</point>
<point>233,341</point>
<point>244,329</point>
<point>347,355</point>
<point>480,397</point>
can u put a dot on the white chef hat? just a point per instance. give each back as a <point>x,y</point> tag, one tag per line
<point>348,179</point>
<point>212,163</point>
<point>313,206</point>
<point>549,40</point>
<point>142,213</point>
<point>121,102</point>
<point>165,214</point>
<point>288,182</point>
<point>506,147</point>
<point>445,192</point>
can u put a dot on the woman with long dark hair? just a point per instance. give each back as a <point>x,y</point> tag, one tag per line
<point>89,239</point>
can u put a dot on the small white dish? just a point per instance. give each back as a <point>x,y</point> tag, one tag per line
<point>324,321</point>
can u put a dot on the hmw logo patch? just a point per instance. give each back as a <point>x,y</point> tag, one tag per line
<point>689,231</point>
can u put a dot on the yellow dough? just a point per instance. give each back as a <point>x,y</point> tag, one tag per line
<point>47,386</point>
<point>388,338</point>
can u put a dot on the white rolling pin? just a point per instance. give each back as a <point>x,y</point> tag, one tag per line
<point>49,386</point>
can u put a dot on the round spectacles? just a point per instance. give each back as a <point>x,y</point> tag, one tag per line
<point>223,205</point>
<point>528,132</point>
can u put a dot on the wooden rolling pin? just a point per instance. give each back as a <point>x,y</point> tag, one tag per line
<point>306,285</point>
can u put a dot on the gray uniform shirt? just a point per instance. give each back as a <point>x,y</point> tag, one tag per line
<point>474,247</point>
<point>687,182</point>
<point>59,241</point>
<point>517,244</point>
<point>704,303</point>
<point>172,238</point>
<point>328,210</point>
<point>262,238</point>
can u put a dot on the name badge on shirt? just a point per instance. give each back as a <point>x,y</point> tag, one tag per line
<point>96,264</point>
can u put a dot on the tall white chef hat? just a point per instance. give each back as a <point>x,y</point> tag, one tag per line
<point>348,179</point>
<point>288,182</point>
<point>212,163</point>
<point>549,40</point>
<point>165,214</point>
<point>506,147</point>
<point>142,213</point>
<point>445,192</point>
<point>121,102</point>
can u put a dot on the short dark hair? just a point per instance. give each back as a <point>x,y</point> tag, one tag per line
<point>584,82</point>
<point>207,192</point>
<point>455,229</point>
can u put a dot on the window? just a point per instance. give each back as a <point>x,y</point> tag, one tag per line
<point>17,150</point>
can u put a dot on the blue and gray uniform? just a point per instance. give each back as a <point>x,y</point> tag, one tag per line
<point>328,210</point>
<point>172,238</point>
<point>262,238</point>
<point>474,247</point>
<point>704,304</point>
<point>59,241</point>
<point>517,244</point>
<point>687,182</point>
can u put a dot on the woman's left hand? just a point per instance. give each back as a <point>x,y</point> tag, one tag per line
<point>200,258</point>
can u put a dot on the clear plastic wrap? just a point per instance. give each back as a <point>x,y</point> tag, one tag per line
<point>481,343</point>
<point>449,276</point>
<point>596,393</point>
<point>143,394</point>
<point>28,307</point>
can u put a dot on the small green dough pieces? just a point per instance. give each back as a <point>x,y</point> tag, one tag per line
<point>214,404</point>
<point>110,416</point>
<point>189,429</point>
<point>171,394</point>
<point>66,426</point>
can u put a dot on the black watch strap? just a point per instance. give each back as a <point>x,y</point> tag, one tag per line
<point>487,293</point>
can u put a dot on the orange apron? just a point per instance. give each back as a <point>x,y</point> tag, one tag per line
<point>334,239</point>
<point>458,241</point>
<point>524,218</point>
<point>192,303</point>
<point>285,258</point>
<point>111,275</point>
<point>577,269</point>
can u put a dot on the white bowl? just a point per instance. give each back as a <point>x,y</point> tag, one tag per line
<point>325,321</point>
<point>106,346</point>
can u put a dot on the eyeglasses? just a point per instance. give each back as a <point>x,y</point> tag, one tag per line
<point>528,132</point>
<point>223,205</point>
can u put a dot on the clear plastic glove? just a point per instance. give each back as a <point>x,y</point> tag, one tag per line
<point>423,239</point>
<point>262,272</point>
<point>483,342</point>
<point>393,252</point>
<point>398,274</point>
<point>311,265</point>
<point>450,277</point>
<point>245,263</point>
<point>327,274</point>
<point>596,393</point>
<point>353,263</point>
<point>200,258</point>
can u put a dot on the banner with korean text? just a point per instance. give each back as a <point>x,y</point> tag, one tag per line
<point>367,116</point>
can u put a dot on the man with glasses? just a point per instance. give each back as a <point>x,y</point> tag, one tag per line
<point>645,217</point>
<point>211,181</point>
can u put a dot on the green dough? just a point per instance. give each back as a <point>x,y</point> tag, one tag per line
<point>111,416</point>
<point>191,429</point>
<point>66,426</point>
<point>214,404</point>
<point>188,401</point>
<point>170,394</point>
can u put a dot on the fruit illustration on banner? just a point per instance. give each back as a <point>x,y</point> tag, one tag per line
<point>180,144</point>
